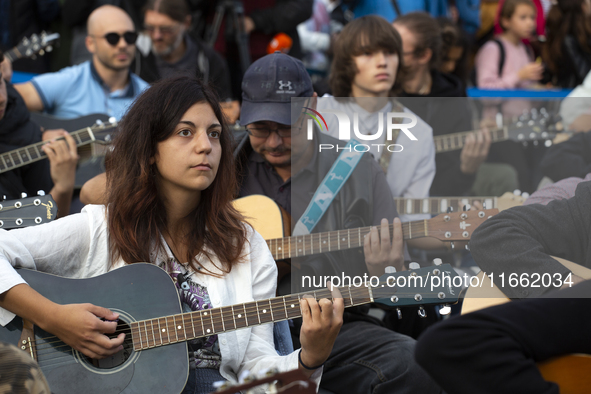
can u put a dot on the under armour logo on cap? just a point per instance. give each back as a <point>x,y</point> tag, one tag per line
<point>284,85</point>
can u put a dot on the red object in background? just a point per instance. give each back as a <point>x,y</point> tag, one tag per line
<point>281,42</point>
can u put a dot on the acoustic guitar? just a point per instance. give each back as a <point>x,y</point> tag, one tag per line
<point>437,205</point>
<point>25,212</point>
<point>155,357</point>
<point>100,133</point>
<point>571,372</point>
<point>266,217</point>
<point>539,127</point>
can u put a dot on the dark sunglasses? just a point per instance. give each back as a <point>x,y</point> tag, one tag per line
<point>130,38</point>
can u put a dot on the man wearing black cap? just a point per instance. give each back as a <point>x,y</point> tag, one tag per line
<point>279,162</point>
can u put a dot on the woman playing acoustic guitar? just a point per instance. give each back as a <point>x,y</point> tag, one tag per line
<point>171,179</point>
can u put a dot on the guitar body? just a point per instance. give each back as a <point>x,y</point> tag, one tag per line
<point>136,292</point>
<point>269,220</point>
<point>264,215</point>
<point>570,372</point>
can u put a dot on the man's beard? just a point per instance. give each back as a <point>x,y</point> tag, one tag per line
<point>112,66</point>
<point>169,49</point>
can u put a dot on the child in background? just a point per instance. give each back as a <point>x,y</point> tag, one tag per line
<point>506,62</point>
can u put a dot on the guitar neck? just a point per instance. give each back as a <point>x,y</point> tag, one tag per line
<point>13,54</point>
<point>332,241</point>
<point>455,141</point>
<point>437,205</point>
<point>187,326</point>
<point>32,153</point>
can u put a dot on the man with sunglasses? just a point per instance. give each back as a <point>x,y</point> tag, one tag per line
<point>101,85</point>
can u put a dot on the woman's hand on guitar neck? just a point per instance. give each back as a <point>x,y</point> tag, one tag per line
<point>80,326</point>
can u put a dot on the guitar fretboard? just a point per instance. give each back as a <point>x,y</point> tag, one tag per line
<point>455,141</point>
<point>331,241</point>
<point>32,153</point>
<point>437,205</point>
<point>13,54</point>
<point>186,326</point>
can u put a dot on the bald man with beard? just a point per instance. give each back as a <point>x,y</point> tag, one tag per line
<point>103,84</point>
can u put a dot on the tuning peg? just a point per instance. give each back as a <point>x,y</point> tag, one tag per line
<point>467,247</point>
<point>48,48</point>
<point>534,113</point>
<point>112,119</point>
<point>466,207</point>
<point>449,210</point>
<point>414,266</point>
<point>390,270</point>
<point>41,52</point>
<point>399,313</point>
<point>445,310</point>
<point>40,192</point>
<point>517,192</point>
<point>23,195</point>
<point>437,261</point>
<point>422,312</point>
<point>452,246</point>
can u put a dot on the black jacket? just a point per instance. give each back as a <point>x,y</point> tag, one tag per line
<point>445,116</point>
<point>16,131</point>
<point>522,239</point>
<point>569,158</point>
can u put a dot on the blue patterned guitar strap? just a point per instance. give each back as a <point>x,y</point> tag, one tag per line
<point>333,182</point>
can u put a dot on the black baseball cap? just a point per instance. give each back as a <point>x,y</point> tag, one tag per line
<point>268,87</point>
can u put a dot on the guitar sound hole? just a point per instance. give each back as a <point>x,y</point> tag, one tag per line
<point>118,358</point>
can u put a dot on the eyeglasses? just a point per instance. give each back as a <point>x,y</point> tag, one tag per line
<point>164,30</point>
<point>265,132</point>
<point>130,38</point>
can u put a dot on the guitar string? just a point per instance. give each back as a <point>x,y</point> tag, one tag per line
<point>192,316</point>
<point>360,292</point>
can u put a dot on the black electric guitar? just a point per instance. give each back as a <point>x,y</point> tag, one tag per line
<point>24,212</point>
<point>155,357</point>
<point>33,46</point>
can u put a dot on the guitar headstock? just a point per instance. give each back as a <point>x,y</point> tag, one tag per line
<point>457,226</point>
<point>103,131</point>
<point>535,126</point>
<point>24,212</point>
<point>422,286</point>
<point>36,44</point>
<point>510,200</point>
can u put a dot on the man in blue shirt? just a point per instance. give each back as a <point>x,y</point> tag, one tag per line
<point>102,85</point>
